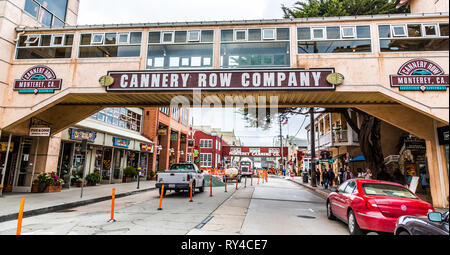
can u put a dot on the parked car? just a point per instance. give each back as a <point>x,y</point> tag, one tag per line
<point>179,176</point>
<point>435,224</point>
<point>371,205</point>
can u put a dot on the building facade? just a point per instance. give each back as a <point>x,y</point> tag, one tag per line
<point>210,147</point>
<point>168,128</point>
<point>54,77</point>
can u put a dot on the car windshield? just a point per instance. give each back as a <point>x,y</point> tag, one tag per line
<point>379,189</point>
<point>181,167</point>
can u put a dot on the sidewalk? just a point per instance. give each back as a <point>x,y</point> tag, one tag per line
<point>40,203</point>
<point>319,189</point>
<point>324,192</point>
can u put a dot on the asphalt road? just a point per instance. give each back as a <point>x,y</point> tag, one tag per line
<point>278,207</point>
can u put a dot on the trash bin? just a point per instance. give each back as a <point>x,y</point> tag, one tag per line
<point>305,178</point>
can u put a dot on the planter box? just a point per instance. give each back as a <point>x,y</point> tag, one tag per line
<point>52,188</point>
<point>127,179</point>
<point>78,184</point>
<point>35,188</point>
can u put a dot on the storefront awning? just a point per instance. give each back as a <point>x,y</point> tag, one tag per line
<point>358,159</point>
<point>93,125</point>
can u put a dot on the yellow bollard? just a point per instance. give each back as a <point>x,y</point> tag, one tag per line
<point>190,191</point>
<point>225,184</point>
<point>19,220</point>
<point>112,205</point>
<point>161,197</point>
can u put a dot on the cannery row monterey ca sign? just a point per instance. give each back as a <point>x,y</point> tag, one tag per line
<point>420,75</point>
<point>312,79</point>
<point>38,79</point>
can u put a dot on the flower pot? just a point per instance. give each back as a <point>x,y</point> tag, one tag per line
<point>78,184</point>
<point>35,188</point>
<point>127,179</point>
<point>52,188</point>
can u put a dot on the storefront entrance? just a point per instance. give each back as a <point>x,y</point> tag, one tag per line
<point>118,165</point>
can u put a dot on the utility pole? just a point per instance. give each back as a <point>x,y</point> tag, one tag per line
<point>313,150</point>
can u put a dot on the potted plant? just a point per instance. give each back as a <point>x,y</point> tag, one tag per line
<point>93,178</point>
<point>49,182</point>
<point>79,182</point>
<point>35,186</point>
<point>129,173</point>
<point>152,176</point>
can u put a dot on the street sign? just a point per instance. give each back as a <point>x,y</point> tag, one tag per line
<point>40,131</point>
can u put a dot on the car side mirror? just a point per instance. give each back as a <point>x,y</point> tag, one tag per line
<point>334,189</point>
<point>435,216</point>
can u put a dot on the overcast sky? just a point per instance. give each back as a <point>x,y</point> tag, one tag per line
<point>142,11</point>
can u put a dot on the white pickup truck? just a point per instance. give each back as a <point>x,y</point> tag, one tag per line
<point>179,176</point>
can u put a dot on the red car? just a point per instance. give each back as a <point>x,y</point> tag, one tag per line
<point>373,205</point>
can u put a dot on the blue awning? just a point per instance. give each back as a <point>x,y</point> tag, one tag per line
<point>358,159</point>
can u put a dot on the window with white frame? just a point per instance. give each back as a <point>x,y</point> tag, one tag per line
<point>183,48</point>
<point>44,46</point>
<point>264,47</point>
<point>334,39</point>
<point>189,157</point>
<point>205,143</point>
<point>205,159</point>
<point>50,13</point>
<point>110,44</point>
<point>413,37</point>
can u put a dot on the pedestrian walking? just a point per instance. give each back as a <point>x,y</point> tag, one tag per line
<point>348,175</point>
<point>368,174</point>
<point>331,176</point>
<point>318,176</point>
<point>325,179</point>
<point>341,175</point>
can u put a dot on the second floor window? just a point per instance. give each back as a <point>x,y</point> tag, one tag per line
<point>414,37</point>
<point>50,13</point>
<point>113,44</point>
<point>205,143</point>
<point>334,39</point>
<point>44,46</point>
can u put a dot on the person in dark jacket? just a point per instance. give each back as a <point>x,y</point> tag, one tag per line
<point>331,176</point>
<point>325,178</point>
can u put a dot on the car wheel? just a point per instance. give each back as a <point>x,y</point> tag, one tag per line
<point>202,188</point>
<point>330,214</point>
<point>353,227</point>
<point>165,191</point>
<point>403,233</point>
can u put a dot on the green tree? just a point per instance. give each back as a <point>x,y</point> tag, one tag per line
<point>334,8</point>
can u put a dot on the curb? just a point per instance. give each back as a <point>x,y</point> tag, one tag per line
<point>60,207</point>
<point>322,193</point>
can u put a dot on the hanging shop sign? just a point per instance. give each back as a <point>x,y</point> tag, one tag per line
<point>443,135</point>
<point>38,79</point>
<point>40,131</point>
<point>80,135</point>
<point>415,144</point>
<point>285,79</point>
<point>147,147</point>
<point>162,131</point>
<point>4,147</point>
<point>119,142</point>
<point>420,75</point>
<point>174,137</point>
